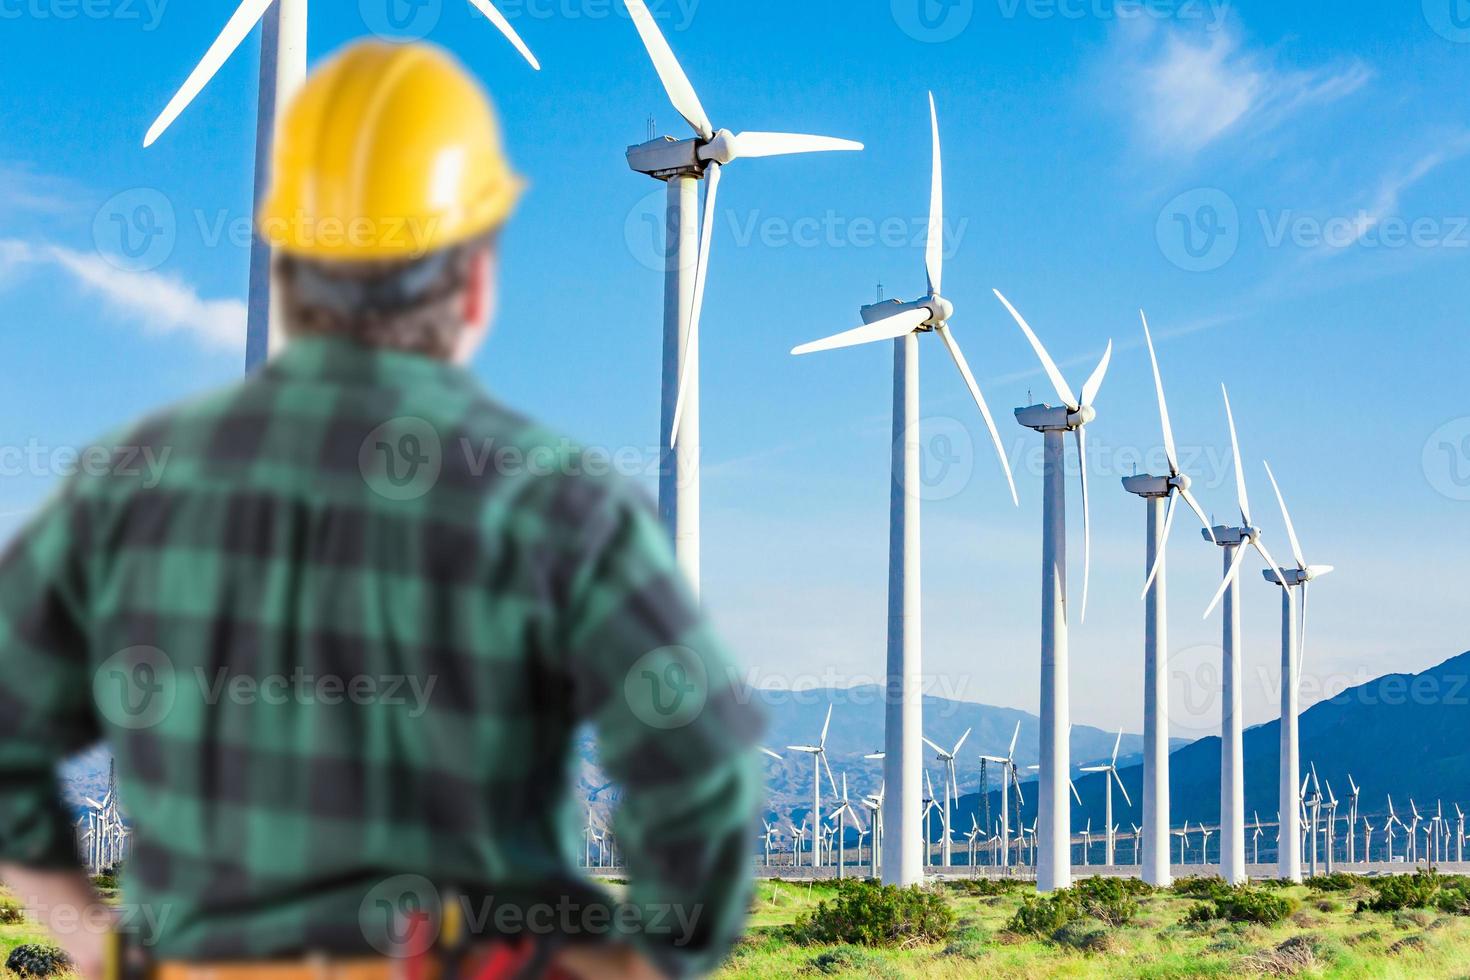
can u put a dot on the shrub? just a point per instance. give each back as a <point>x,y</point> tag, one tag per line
<point>1211,887</point>
<point>1243,904</point>
<point>1338,881</point>
<point>1416,891</point>
<point>1085,935</point>
<point>865,913</point>
<point>1043,915</point>
<point>34,960</point>
<point>10,914</point>
<point>987,887</point>
<point>1110,899</point>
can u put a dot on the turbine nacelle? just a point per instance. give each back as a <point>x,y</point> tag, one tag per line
<point>1234,536</point>
<point>1297,576</point>
<point>940,311</point>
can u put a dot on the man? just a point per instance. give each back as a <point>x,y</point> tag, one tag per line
<point>341,644</point>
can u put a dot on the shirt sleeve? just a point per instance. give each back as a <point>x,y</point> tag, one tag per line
<point>676,728</point>
<point>46,705</point>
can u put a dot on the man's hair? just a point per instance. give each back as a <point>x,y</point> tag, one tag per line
<point>415,306</point>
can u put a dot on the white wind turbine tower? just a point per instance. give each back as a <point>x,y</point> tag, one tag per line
<point>1459,834</point>
<point>1204,848</point>
<point>930,804</point>
<point>1183,836</point>
<point>1352,833</point>
<point>903,323</point>
<point>972,838</point>
<point>1007,776</point>
<point>1053,867</point>
<point>1112,770</point>
<point>874,806</point>
<point>841,815</point>
<point>1412,831</point>
<point>818,753</point>
<point>282,70</point>
<point>1293,647</point>
<point>1367,841</point>
<point>1137,844</point>
<point>681,164</point>
<point>1155,490</point>
<point>1256,841</point>
<point>1233,542</point>
<point>951,789</point>
<point>1313,805</point>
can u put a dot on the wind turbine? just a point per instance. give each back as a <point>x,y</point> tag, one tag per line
<point>1007,776</point>
<point>1204,849</point>
<point>971,838</point>
<point>681,164</point>
<point>951,788</point>
<point>1367,841</point>
<point>769,838</point>
<point>1233,542</point>
<point>1112,770</point>
<point>1313,804</point>
<point>1137,844</point>
<point>1459,834</point>
<point>902,323</point>
<point>930,805</point>
<point>1330,829</point>
<point>874,806</point>
<point>1293,642</point>
<point>1155,490</point>
<point>1183,836</point>
<point>1256,841</point>
<point>1352,834</point>
<point>841,815</point>
<point>1412,830</point>
<point>1053,865</point>
<point>1388,827</point>
<point>798,835</point>
<point>1086,841</point>
<point>282,70</point>
<point>818,753</point>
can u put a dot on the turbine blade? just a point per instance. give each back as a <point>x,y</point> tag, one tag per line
<point>960,743</point>
<point>676,83</point>
<point>964,366</point>
<point>888,328</point>
<point>1123,788</point>
<point>1153,573</point>
<point>1075,795</point>
<point>1014,735</point>
<point>498,19</point>
<point>825,725</point>
<point>747,145</point>
<point>931,745</point>
<point>1200,513</point>
<point>1296,546</point>
<point>241,23</point>
<point>1086,518</point>
<point>1230,576</point>
<point>1275,569</point>
<point>696,309</point>
<point>773,755</point>
<point>1093,384</point>
<point>1245,504</point>
<point>934,246</point>
<point>1059,383</point>
<point>1169,450</point>
<point>826,766</point>
<point>1117,744</point>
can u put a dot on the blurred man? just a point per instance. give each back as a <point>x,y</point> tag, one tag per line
<point>341,642</point>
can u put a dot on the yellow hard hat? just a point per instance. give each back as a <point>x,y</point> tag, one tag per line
<point>389,151</point>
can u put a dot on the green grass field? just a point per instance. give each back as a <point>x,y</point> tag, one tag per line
<point>1324,938</point>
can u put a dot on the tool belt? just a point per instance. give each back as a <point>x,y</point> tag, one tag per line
<point>453,956</point>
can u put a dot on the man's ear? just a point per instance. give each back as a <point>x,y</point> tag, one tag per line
<point>479,293</point>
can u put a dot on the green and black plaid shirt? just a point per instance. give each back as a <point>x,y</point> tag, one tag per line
<point>340,624</point>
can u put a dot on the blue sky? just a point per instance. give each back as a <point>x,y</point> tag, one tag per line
<point>1315,152</point>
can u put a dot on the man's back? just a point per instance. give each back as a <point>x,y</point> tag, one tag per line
<point>347,635</point>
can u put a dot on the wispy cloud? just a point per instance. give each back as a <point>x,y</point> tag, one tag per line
<point>1386,199</point>
<point>23,189</point>
<point>160,304</point>
<point>1197,88</point>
